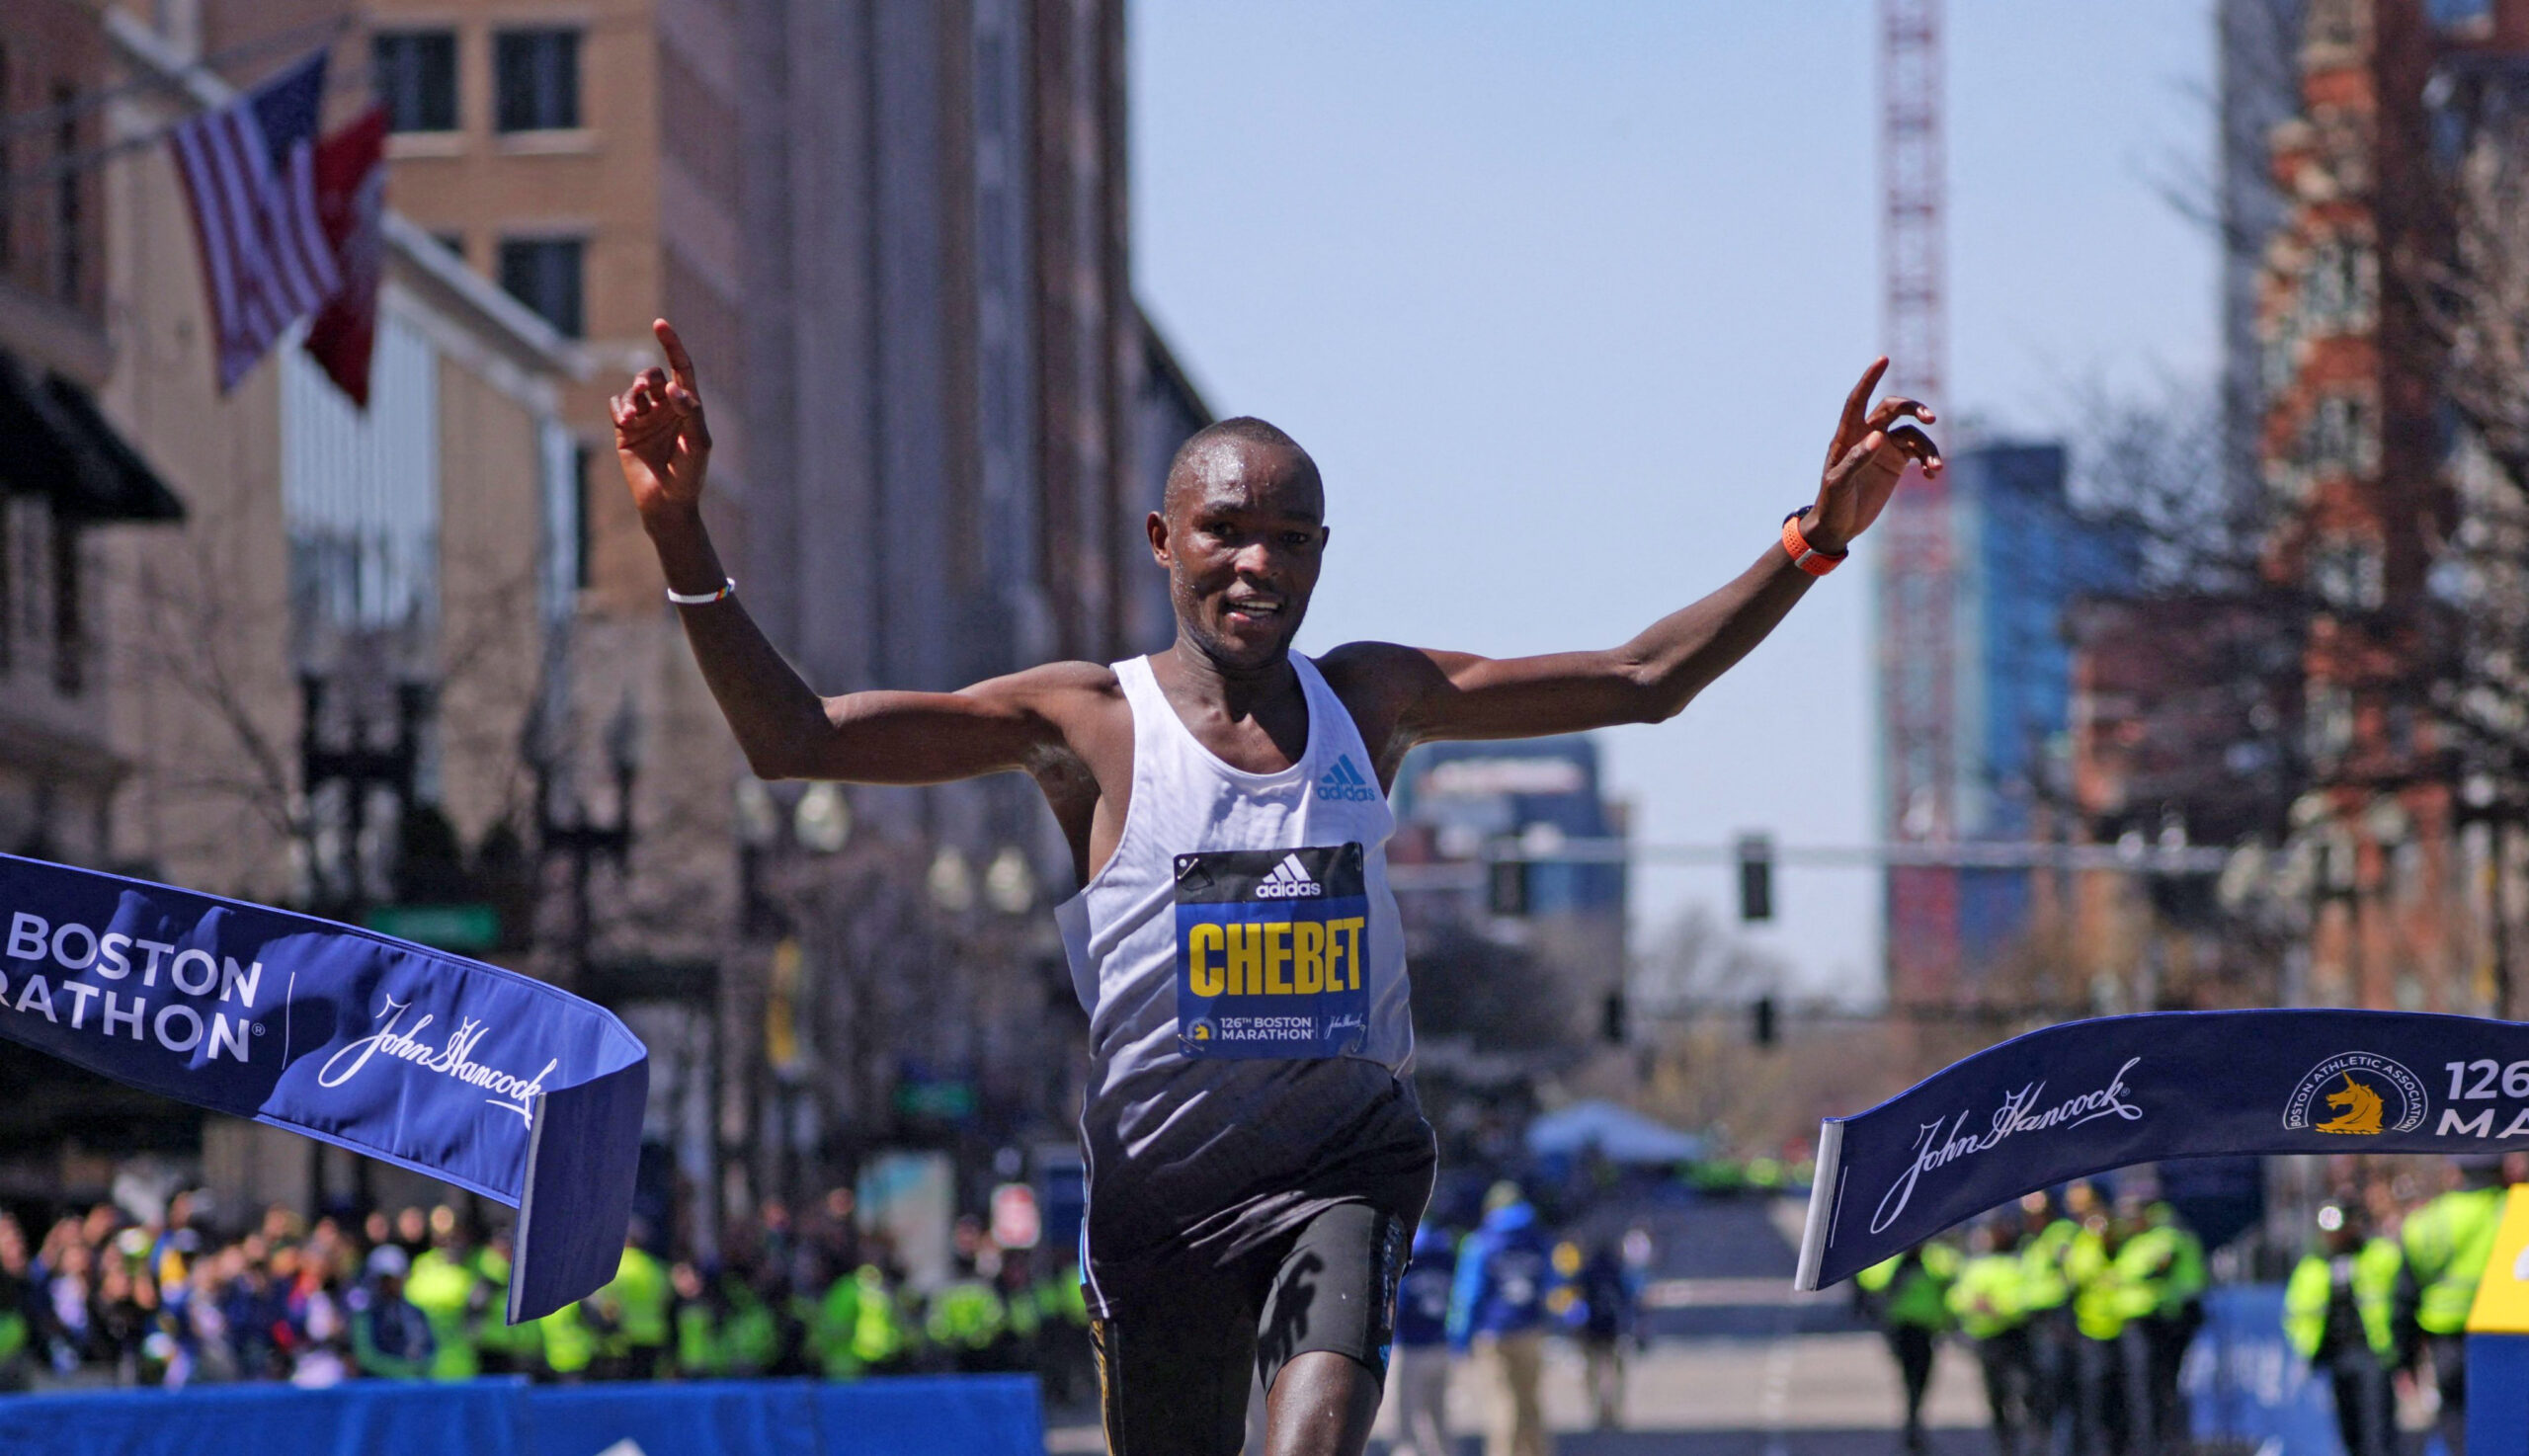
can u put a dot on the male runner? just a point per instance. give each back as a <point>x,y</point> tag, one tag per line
<point>1257,1159</point>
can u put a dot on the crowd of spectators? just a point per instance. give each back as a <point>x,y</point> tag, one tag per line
<point>106,1298</point>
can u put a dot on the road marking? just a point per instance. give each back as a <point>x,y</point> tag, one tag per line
<point>1775,1407</point>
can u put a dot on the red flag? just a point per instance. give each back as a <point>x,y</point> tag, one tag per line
<point>351,193</point>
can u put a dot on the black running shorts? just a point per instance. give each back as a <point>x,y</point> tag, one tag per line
<point>1182,1337</point>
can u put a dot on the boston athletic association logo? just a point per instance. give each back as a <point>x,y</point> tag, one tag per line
<point>2357,1094</point>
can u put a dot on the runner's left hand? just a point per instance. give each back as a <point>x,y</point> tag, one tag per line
<point>1872,446</point>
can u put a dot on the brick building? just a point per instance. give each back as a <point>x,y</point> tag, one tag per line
<point>2358,454</point>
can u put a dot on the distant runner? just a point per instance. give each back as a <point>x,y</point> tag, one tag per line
<point>1256,1158</point>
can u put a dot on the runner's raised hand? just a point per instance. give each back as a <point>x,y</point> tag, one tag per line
<point>1865,460</point>
<point>660,435</point>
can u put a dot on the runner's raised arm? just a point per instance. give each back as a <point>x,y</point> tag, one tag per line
<point>786,730</point>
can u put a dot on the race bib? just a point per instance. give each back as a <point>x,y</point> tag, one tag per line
<point>1268,953</point>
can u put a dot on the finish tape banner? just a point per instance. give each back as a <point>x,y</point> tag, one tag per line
<point>481,1077</point>
<point>2085,1097</point>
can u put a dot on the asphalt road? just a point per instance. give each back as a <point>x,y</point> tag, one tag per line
<point>1738,1365</point>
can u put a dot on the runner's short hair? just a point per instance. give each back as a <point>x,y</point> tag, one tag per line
<point>1246,429</point>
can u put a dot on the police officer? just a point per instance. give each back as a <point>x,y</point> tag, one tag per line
<point>1610,1307</point>
<point>1909,1296</point>
<point>2447,1242</point>
<point>967,1320</point>
<point>503,1349</point>
<point>633,1319</point>
<point>1986,1302</point>
<point>2165,1261</point>
<point>750,1331</point>
<point>2108,1371</point>
<point>701,1351</point>
<point>447,1288</point>
<point>2338,1314</point>
<point>1498,1312</point>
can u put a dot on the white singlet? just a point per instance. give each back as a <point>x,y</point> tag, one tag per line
<point>1215,1115</point>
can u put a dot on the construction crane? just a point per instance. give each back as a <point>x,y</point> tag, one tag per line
<point>1916,590</point>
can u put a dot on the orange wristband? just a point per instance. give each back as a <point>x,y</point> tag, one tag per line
<point>1813,562</point>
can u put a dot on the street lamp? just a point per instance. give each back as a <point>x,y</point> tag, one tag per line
<point>584,838</point>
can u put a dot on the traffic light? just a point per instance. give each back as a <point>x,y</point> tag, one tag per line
<point>1761,1030</point>
<point>1505,887</point>
<point>1756,877</point>
<point>1611,1020</point>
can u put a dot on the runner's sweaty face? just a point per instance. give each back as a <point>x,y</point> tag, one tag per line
<point>1242,536</point>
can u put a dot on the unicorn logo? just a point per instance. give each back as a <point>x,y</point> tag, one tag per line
<point>2384,1098</point>
<point>2361,1109</point>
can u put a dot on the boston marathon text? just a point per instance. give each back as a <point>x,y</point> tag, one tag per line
<point>141,965</point>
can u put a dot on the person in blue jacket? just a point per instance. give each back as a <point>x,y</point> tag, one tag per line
<point>1497,1309</point>
<point>1421,1369</point>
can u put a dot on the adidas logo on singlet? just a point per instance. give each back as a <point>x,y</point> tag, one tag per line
<point>1344,783</point>
<point>1288,882</point>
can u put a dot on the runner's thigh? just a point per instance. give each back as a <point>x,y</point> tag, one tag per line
<point>1173,1369</point>
<point>1336,1290</point>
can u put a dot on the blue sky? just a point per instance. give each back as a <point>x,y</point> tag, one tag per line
<point>1564,297</point>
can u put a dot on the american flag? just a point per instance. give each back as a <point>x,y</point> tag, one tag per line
<point>249,171</point>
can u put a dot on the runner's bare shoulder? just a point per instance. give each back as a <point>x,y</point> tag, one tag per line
<point>1079,702</point>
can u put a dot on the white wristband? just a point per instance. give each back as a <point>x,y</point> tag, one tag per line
<point>728,589</point>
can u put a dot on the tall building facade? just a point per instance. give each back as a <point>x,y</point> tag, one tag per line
<point>2362,461</point>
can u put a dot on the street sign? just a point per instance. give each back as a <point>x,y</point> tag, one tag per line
<point>457,927</point>
<point>1014,1223</point>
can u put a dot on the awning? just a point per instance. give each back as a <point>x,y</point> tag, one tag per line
<point>55,442</point>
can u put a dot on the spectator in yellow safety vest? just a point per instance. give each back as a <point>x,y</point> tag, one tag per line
<point>2447,1242</point>
<point>1909,1296</point>
<point>633,1314</point>
<point>2337,1314</point>
<point>2114,1410</point>
<point>2162,1265</point>
<point>448,1290</point>
<point>701,1351</point>
<point>1985,1300</point>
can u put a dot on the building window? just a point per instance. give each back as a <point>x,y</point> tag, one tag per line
<point>2341,437</point>
<point>2338,287</point>
<point>583,565</point>
<point>69,627</point>
<point>538,76</point>
<point>416,79</point>
<point>2348,574</point>
<point>8,202</point>
<point>544,274</point>
<point>69,272</point>
<point>7,582</point>
<point>28,559</point>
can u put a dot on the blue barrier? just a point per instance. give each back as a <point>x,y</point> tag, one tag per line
<point>947,1415</point>
<point>2497,1395</point>
<point>2244,1384</point>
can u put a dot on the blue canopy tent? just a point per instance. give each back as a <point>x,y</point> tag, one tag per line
<point>1620,1135</point>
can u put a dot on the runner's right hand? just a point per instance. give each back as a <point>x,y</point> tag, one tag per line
<point>660,436</point>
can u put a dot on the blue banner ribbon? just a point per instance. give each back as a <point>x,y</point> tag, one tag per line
<point>2085,1097</point>
<point>481,1077</point>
